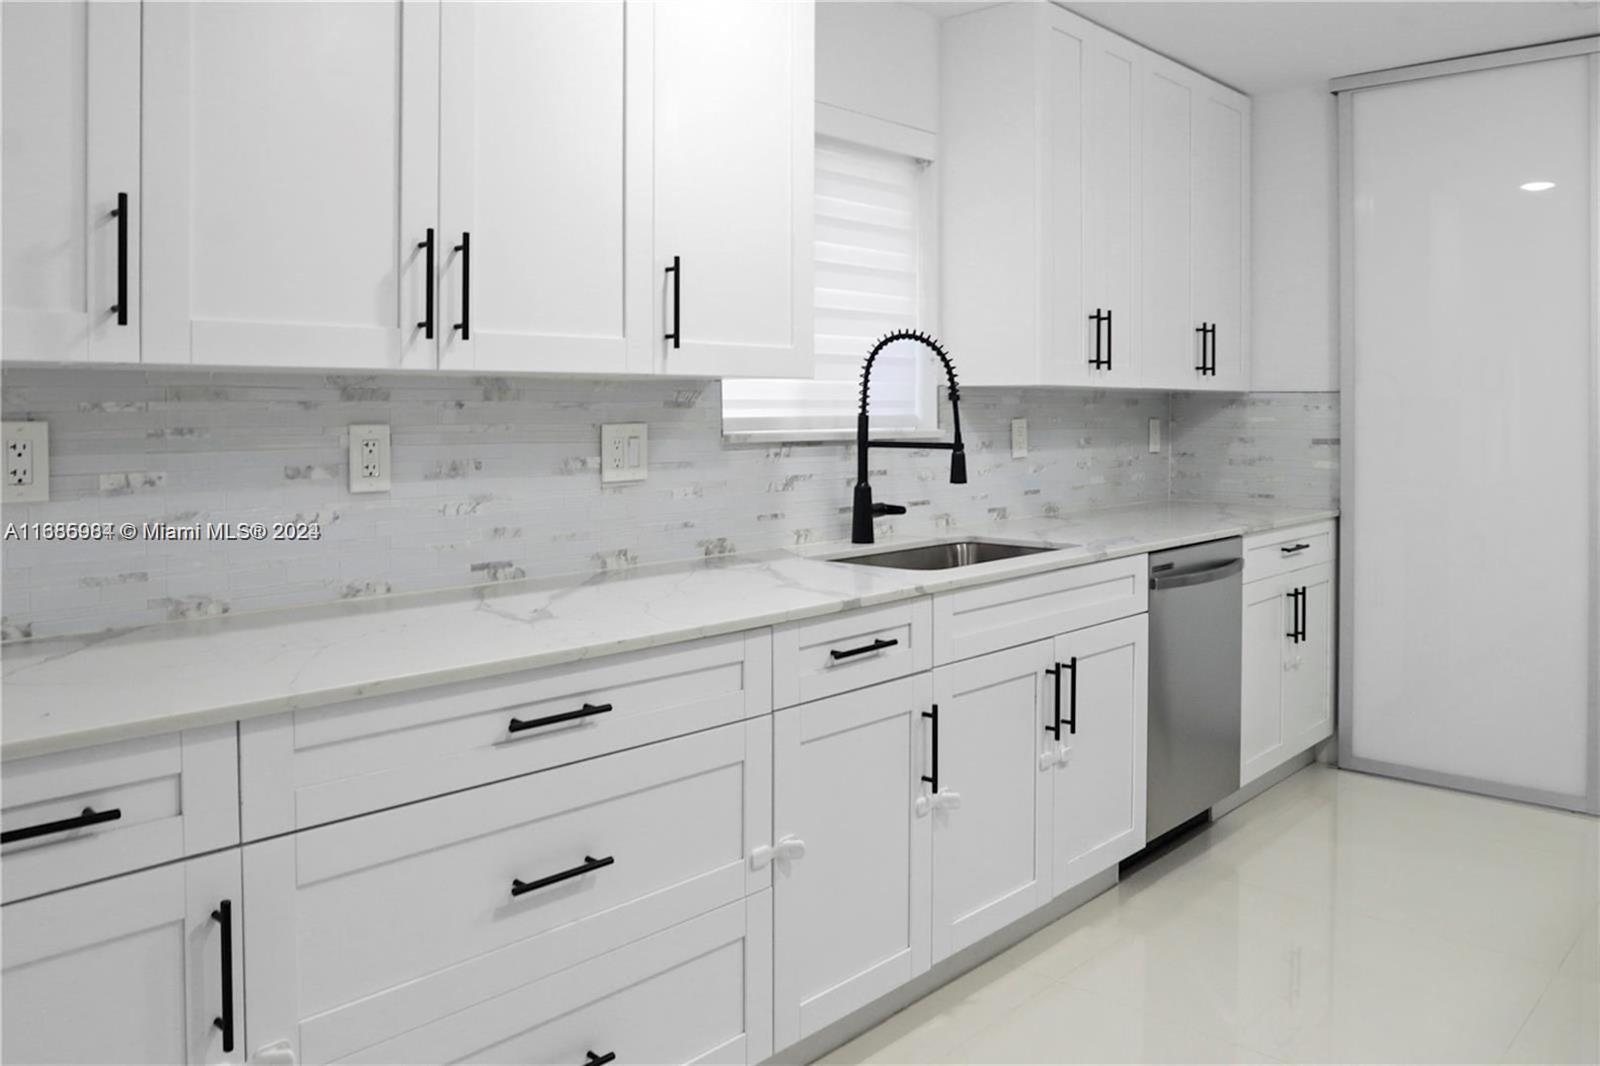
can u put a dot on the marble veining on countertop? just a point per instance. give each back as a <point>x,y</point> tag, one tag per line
<point>71,692</point>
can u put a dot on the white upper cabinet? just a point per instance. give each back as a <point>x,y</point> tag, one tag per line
<point>1195,224</point>
<point>732,134</point>
<point>1094,208</point>
<point>290,175</point>
<point>69,77</point>
<point>537,166</point>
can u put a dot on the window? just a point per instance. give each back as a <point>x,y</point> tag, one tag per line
<point>874,211</point>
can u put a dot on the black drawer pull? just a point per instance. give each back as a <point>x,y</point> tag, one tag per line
<point>589,865</point>
<point>1055,727</point>
<point>865,649</point>
<point>676,270</point>
<point>933,716</point>
<point>517,725</point>
<point>426,325</point>
<point>120,213</point>
<point>223,916</point>
<point>1292,549</point>
<point>1100,318</point>
<point>1072,697</point>
<point>591,1059</point>
<point>89,817</point>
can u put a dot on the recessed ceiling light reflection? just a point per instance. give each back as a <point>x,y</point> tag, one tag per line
<point>1537,186</point>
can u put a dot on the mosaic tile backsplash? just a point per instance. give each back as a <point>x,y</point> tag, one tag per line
<point>496,479</point>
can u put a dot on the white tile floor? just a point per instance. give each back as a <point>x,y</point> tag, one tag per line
<point>1335,918</point>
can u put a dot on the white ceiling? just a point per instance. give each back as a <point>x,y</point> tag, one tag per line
<point>1264,45</point>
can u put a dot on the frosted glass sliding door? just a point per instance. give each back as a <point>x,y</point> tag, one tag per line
<point>1470,450</point>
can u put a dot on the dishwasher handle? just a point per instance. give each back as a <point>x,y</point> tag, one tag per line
<point>1200,575</point>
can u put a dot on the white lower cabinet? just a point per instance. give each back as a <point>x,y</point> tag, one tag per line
<point>368,929</point>
<point>991,826</point>
<point>851,898</point>
<point>130,969</point>
<point>1100,758</point>
<point>1287,674</point>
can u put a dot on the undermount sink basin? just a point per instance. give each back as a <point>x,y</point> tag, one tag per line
<point>943,556</point>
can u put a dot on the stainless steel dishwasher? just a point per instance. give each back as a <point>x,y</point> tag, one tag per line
<point>1196,625</point>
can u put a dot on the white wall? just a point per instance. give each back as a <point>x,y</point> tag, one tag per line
<point>881,60</point>
<point>1294,242</point>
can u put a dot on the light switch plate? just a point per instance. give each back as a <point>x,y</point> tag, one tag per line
<point>1155,436</point>
<point>27,459</point>
<point>1019,438</point>
<point>624,452</point>
<point>369,458</point>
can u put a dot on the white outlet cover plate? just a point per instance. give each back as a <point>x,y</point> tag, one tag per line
<point>624,452</point>
<point>1019,438</point>
<point>369,458</point>
<point>35,437</point>
<point>1155,436</point>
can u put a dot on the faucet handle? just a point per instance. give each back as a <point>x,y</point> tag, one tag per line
<point>881,509</point>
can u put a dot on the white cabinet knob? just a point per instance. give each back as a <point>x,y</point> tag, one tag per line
<point>947,800</point>
<point>1047,758</point>
<point>788,848</point>
<point>277,1053</point>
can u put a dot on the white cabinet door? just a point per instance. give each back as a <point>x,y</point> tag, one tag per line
<point>69,77</point>
<point>129,969</point>
<point>1064,255</point>
<point>1266,628</point>
<point>290,174</point>
<point>1308,662</point>
<point>731,132</point>
<point>1100,763</point>
<point>1111,205</point>
<point>538,164</point>
<point>1221,162</point>
<point>852,913</point>
<point>1169,342</point>
<point>991,830</point>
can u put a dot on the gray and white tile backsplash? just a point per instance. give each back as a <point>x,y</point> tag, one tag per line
<point>497,479</point>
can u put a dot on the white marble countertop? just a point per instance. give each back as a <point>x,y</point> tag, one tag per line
<point>72,692</point>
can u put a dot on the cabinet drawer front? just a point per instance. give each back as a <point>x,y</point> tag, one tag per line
<point>92,813</point>
<point>976,621</point>
<point>309,767</point>
<point>692,993</point>
<point>399,918</point>
<point>1283,550</point>
<point>811,660</point>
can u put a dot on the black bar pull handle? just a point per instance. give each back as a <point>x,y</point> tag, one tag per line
<point>465,248</point>
<point>1111,341</point>
<point>933,781</point>
<point>1072,696</point>
<point>676,270</point>
<point>1297,605</point>
<point>223,915</point>
<point>89,817</point>
<point>865,649</point>
<point>1294,548</point>
<point>1055,727</point>
<point>1211,361</point>
<point>588,710</point>
<point>1303,614</point>
<point>426,325</point>
<point>588,865</point>
<point>120,213</point>
<point>1099,318</point>
<point>591,1059</point>
<point>1203,333</point>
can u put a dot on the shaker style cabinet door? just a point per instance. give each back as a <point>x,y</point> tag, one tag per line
<point>70,202</point>
<point>131,969</point>
<point>731,131</point>
<point>1168,337</point>
<point>991,826</point>
<point>1111,207</point>
<point>542,158</point>
<point>1266,628</point>
<point>851,898</point>
<point>290,179</point>
<point>1100,764</point>
<point>1308,662</point>
<point>1221,162</point>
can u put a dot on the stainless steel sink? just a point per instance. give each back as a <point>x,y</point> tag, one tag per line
<point>943,556</point>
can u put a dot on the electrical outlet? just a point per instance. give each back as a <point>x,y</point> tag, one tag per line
<point>1155,436</point>
<point>624,452</point>
<point>369,458</point>
<point>1019,438</point>
<point>27,458</point>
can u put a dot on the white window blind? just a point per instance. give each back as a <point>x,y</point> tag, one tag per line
<point>870,279</point>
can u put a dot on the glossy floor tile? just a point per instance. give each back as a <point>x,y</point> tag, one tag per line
<point>1338,917</point>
